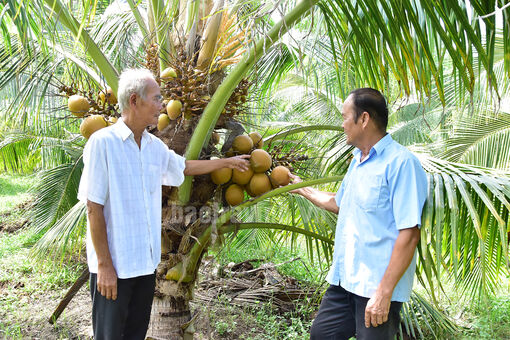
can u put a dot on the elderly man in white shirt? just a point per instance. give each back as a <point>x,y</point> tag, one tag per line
<point>124,169</point>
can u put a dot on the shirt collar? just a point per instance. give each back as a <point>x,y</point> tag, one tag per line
<point>125,132</point>
<point>382,143</point>
<point>378,148</point>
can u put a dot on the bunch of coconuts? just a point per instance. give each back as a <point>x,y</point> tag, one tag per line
<point>257,180</point>
<point>173,107</point>
<point>80,106</point>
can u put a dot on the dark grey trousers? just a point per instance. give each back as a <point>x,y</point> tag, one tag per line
<point>342,315</point>
<point>128,316</point>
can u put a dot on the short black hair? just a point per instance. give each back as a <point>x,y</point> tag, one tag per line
<point>372,101</point>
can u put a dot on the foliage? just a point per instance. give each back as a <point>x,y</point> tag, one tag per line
<point>441,64</point>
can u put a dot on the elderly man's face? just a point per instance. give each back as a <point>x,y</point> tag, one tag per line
<point>148,110</point>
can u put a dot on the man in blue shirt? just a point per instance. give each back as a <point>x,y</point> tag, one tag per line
<point>379,203</point>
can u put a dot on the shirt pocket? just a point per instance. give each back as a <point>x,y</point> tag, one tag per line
<point>368,191</point>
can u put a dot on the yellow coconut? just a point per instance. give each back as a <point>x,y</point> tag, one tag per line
<point>173,109</point>
<point>221,176</point>
<point>280,175</point>
<point>242,144</point>
<point>163,121</point>
<point>91,124</point>
<point>234,194</point>
<point>230,153</point>
<point>248,191</point>
<point>112,120</point>
<point>168,74</point>
<point>260,160</point>
<point>112,99</point>
<point>259,184</point>
<point>242,177</point>
<point>78,105</point>
<point>257,139</point>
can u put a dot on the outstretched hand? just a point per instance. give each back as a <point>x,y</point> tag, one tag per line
<point>293,180</point>
<point>239,162</point>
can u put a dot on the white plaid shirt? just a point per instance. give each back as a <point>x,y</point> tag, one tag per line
<point>127,181</point>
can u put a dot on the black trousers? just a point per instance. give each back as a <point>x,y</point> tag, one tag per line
<point>128,316</point>
<point>342,315</point>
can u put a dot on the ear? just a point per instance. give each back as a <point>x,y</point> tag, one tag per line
<point>365,118</point>
<point>133,99</point>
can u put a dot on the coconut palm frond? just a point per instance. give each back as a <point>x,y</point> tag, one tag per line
<point>65,236</point>
<point>317,227</point>
<point>16,155</point>
<point>414,38</point>
<point>28,151</point>
<point>482,140</point>
<point>463,226</point>
<point>32,83</point>
<point>272,67</point>
<point>118,34</point>
<point>414,123</point>
<point>420,318</point>
<point>56,194</point>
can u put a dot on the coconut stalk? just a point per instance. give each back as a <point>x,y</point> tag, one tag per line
<point>66,18</point>
<point>210,37</point>
<point>230,228</point>
<point>213,110</point>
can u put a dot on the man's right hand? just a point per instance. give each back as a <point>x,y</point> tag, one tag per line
<point>324,200</point>
<point>107,281</point>
<point>294,180</point>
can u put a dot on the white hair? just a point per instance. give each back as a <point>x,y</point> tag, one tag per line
<point>132,81</point>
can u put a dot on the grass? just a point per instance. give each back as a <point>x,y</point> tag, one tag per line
<point>23,279</point>
<point>485,319</point>
<point>256,323</point>
<point>14,190</point>
<point>491,319</point>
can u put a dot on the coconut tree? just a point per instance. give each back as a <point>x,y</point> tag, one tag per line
<point>208,57</point>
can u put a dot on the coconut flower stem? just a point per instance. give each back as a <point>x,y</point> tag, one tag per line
<point>210,37</point>
<point>213,110</point>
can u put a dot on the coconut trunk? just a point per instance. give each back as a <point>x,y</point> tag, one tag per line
<point>181,226</point>
<point>171,314</point>
<point>171,317</point>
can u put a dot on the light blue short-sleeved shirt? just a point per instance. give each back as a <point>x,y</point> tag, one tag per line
<point>378,197</point>
<point>127,181</point>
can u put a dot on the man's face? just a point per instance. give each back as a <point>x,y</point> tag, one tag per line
<point>352,129</point>
<point>150,107</point>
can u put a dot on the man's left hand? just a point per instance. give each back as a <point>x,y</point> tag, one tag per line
<point>239,162</point>
<point>377,309</point>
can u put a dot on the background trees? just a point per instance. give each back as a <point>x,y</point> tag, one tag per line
<point>441,64</point>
